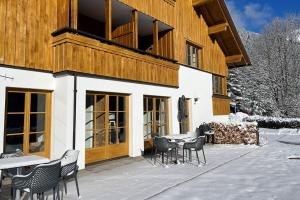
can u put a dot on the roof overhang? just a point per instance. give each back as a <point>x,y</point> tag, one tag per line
<point>223,30</point>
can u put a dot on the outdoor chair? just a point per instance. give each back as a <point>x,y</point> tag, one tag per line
<point>196,146</point>
<point>43,178</point>
<point>9,173</point>
<point>162,146</point>
<point>205,130</point>
<point>69,168</point>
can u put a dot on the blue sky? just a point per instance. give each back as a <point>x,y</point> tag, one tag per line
<point>254,14</point>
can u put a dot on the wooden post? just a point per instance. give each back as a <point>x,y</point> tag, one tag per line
<point>108,19</point>
<point>135,29</point>
<point>155,37</point>
<point>74,14</point>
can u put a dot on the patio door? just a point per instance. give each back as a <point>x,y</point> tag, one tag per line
<point>27,122</point>
<point>106,133</point>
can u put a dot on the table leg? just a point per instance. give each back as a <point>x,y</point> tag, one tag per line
<point>18,193</point>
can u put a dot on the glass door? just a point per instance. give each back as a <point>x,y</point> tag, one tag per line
<point>106,133</point>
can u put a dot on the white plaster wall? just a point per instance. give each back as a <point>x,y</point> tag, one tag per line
<point>193,83</point>
<point>20,79</point>
<point>197,84</point>
<point>62,116</point>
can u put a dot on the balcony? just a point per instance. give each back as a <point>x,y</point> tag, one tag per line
<point>110,38</point>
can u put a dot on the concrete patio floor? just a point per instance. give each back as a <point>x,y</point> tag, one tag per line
<point>232,172</point>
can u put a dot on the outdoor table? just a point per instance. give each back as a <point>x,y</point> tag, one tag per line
<point>180,139</point>
<point>210,134</point>
<point>22,161</point>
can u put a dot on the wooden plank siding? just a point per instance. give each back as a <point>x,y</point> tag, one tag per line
<point>82,54</point>
<point>25,33</point>
<point>123,35</point>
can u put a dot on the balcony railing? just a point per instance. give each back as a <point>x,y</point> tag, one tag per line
<point>79,51</point>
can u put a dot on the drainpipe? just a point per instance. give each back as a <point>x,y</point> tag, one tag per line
<point>74,110</point>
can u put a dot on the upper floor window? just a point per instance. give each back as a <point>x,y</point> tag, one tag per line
<point>219,85</point>
<point>192,55</point>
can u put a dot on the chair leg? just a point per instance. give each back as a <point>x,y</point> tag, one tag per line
<point>65,186</point>
<point>204,155</point>
<point>197,157</point>
<point>54,191</point>
<point>76,181</point>
<point>167,157</point>
<point>182,155</point>
<point>31,196</point>
<point>155,154</point>
<point>163,157</point>
<point>58,196</point>
<point>14,194</point>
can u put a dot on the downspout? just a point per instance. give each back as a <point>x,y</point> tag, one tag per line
<point>74,110</point>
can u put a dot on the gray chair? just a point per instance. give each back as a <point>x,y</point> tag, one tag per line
<point>162,146</point>
<point>9,173</point>
<point>69,168</point>
<point>43,178</point>
<point>196,146</point>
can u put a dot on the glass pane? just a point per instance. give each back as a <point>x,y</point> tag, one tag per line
<point>100,138</point>
<point>122,119</point>
<point>112,119</point>
<point>89,103</point>
<point>113,136</point>
<point>150,117</point>
<point>38,103</point>
<point>15,102</point>
<point>163,105</point>
<point>13,143</point>
<point>36,142</point>
<point>150,104</point>
<point>157,104</point>
<point>145,104</point>
<point>89,139</point>
<point>37,122</point>
<point>100,103</point>
<point>158,118</point>
<point>112,103</point>
<point>122,103</point>
<point>163,131</point>
<point>89,120</point>
<point>14,123</point>
<point>145,132</point>
<point>122,135</point>
<point>145,118</point>
<point>163,117</point>
<point>100,121</point>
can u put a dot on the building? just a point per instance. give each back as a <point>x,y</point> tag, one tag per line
<point>104,76</point>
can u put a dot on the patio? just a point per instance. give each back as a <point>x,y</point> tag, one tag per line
<point>259,173</point>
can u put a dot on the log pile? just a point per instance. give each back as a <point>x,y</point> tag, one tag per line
<point>235,133</point>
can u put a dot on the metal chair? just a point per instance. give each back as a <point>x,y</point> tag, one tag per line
<point>69,168</point>
<point>43,178</point>
<point>196,145</point>
<point>9,173</point>
<point>162,146</point>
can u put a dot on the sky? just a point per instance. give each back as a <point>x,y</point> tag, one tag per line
<point>253,15</point>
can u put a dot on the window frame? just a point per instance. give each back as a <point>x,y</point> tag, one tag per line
<point>190,48</point>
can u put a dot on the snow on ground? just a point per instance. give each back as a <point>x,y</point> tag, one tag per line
<point>233,172</point>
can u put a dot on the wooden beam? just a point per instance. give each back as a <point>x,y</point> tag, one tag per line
<point>234,59</point>
<point>155,37</point>
<point>218,28</point>
<point>135,29</point>
<point>108,19</point>
<point>197,3</point>
<point>74,14</point>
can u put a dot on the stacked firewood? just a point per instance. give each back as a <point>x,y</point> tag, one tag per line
<point>235,133</point>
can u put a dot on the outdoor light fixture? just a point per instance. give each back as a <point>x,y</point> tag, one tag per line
<point>196,99</point>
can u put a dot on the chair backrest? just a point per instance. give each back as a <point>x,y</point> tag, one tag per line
<point>199,143</point>
<point>69,163</point>
<point>70,156</point>
<point>162,144</point>
<point>45,177</point>
<point>201,130</point>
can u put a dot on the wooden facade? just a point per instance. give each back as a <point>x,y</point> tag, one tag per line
<point>26,41</point>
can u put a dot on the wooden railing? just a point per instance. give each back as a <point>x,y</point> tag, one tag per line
<point>79,53</point>
<point>221,105</point>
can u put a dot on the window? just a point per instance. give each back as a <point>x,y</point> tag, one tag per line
<point>27,120</point>
<point>155,116</point>
<point>192,55</point>
<point>219,85</point>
